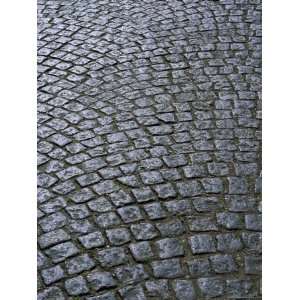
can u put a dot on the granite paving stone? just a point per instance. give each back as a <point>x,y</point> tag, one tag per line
<point>149,149</point>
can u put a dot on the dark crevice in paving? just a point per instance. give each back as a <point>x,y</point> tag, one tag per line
<point>149,149</point>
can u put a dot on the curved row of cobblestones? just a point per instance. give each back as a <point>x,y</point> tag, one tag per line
<point>149,149</point>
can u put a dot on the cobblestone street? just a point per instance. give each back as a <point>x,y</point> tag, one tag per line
<point>149,149</point>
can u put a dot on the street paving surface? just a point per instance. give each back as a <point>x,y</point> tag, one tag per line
<point>149,149</point>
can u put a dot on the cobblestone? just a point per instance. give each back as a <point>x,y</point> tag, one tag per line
<point>158,288</point>
<point>52,274</point>
<point>211,287</point>
<point>199,267</point>
<point>202,243</point>
<point>169,268</point>
<point>92,240</point>
<point>52,292</point>
<point>223,263</point>
<point>62,251</point>
<point>101,280</point>
<point>76,286</point>
<point>169,247</point>
<point>53,237</point>
<point>112,257</point>
<point>149,149</point>
<point>79,264</point>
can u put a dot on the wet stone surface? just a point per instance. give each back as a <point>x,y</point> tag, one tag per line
<point>149,172</point>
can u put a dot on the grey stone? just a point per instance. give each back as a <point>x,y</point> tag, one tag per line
<point>111,257</point>
<point>223,263</point>
<point>184,290</point>
<point>258,185</point>
<point>62,251</point>
<point>212,185</point>
<point>78,211</point>
<point>240,203</point>
<point>105,296</point>
<point>229,242</point>
<point>101,280</point>
<point>118,236</point>
<point>54,166</point>
<point>246,169</point>
<point>116,137</point>
<point>131,274</point>
<point>173,161</point>
<point>143,231</point>
<point>201,223</point>
<point>131,181</point>
<point>79,264</point>
<point>76,286</point>
<point>108,219</point>
<point>43,195</point>
<point>155,211</point>
<point>169,247</point>
<point>105,187</point>
<point>143,194</point>
<point>45,180</point>
<point>165,191</point>
<point>121,198</point>
<point>158,288</point>
<point>53,221</point>
<point>253,222</point>
<point>206,204</point>
<point>58,153</point>
<point>149,140</point>
<point>199,267</point>
<point>110,173</point>
<point>238,185</point>
<point>170,174</point>
<point>252,241</point>
<point>160,130</point>
<point>88,179</point>
<point>52,274</point>
<point>42,260</point>
<point>93,165</point>
<point>60,140</point>
<point>241,288</point>
<point>64,188</point>
<point>211,287</point>
<point>194,171</point>
<point>252,265</point>
<point>53,237</point>
<point>169,268</point>
<point>151,177</point>
<point>51,293</point>
<point>218,169</point>
<point>171,228</point>
<point>201,157</point>
<point>130,214</point>
<point>100,205</point>
<point>158,151</point>
<point>141,251</point>
<point>136,155</point>
<point>115,159</point>
<point>68,173</point>
<point>179,207</point>
<point>230,220</point>
<point>132,293</point>
<point>189,188</point>
<point>202,243</point>
<point>81,226</point>
<point>83,195</point>
<point>92,240</point>
<point>53,205</point>
<point>151,163</point>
